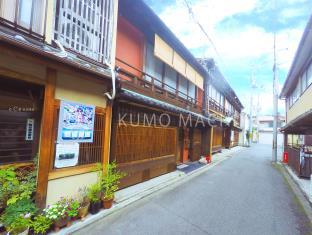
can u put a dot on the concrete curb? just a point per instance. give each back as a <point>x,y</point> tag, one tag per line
<point>301,195</point>
<point>173,182</point>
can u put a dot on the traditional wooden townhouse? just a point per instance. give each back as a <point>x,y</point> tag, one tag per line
<point>297,92</point>
<point>221,103</point>
<point>56,76</point>
<point>158,119</point>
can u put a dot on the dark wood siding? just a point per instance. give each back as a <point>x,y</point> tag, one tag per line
<point>195,148</point>
<point>19,101</point>
<point>217,139</point>
<point>141,150</point>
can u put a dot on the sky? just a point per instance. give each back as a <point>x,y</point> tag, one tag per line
<point>242,32</point>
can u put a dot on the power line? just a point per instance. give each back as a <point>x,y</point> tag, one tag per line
<point>191,12</point>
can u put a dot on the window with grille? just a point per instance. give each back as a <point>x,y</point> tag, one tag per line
<point>89,153</point>
<point>86,27</point>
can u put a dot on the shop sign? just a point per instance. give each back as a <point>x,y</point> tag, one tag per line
<point>66,155</point>
<point>76,123</point>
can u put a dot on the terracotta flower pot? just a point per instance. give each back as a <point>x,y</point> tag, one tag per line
<point>83,211</point>
<point>69,222</point>
<point>108,203</point>
<point>60,223</point>
<point>95,207</point>
<point>25,232</point>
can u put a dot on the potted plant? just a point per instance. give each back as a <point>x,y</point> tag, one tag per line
<point>109,184</point>
<point>94,195</point>
<point>72,210</point>
<point>41,224</point>
<point>58,214</point>
<point>20,225</point>
<point>84,203</point>
<point>16,217</point>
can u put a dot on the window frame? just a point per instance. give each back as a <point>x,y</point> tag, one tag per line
<point>96,26</point>
<point>37,22</point>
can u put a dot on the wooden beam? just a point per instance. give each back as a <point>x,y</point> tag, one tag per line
<point>46,136</point>
<point>163,73</point>
<point>188,87</point>
<point>107,135</point>
<point>211,141</point>
<point>177,84</point>
<point>20,76</point>
<point>70,171</point>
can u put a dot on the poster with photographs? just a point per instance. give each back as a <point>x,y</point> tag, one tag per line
<point>66,155</point>
<point>76,123</point>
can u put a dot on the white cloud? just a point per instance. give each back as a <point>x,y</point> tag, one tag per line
<point>290,13</point>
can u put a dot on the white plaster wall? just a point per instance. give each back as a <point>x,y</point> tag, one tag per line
<point>68,186</point>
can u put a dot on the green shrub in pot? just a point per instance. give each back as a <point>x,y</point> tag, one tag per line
<point>41,224</point>
<point>16,217</point>
<point>109,183</point>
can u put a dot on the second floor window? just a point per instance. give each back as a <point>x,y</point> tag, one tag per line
<point>86,27</point>
<point>28,15</point>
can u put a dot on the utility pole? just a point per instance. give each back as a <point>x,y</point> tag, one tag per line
<point>257,117</point>
<point>250,119</point>
<point>275,106</point>
<point>253,85</point>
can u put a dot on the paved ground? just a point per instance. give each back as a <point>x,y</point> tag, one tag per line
<point>243,195</point>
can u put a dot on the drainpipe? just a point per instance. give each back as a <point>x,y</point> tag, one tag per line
<point>62,53</point>
<point>107,94</point>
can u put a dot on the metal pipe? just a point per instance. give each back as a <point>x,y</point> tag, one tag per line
<point>107,94</point>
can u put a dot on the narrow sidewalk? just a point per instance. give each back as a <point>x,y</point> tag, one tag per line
<point>134,193</point>
<point>304,184</point>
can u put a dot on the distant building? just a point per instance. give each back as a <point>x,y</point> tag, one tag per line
<point>263,130</point>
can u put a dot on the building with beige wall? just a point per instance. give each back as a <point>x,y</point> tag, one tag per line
<point>297,92</point>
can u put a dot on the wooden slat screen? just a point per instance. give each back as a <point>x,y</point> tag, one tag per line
<point>236,138</point>
<point>196,144</point>
<point>92,152</point>
<point>89,153</point>
<point>141,143</point>
<point>13,146</point>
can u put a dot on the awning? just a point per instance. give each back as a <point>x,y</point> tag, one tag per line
<point>301,125</point>
<point>124,93</point>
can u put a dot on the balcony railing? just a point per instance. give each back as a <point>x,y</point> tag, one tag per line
<point>217,107</point>
<point>237,119</point>
<point>86,27</point>
<point>153,85</point>
<point>25,16</point>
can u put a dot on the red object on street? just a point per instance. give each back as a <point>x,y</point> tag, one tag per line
<point>208,159</point>
<point>285,157</point>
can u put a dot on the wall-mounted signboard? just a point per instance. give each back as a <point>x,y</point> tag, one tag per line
<point>66,155</point>
<point>76,123</point>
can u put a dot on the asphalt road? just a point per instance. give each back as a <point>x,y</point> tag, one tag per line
<point>243,195</point>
